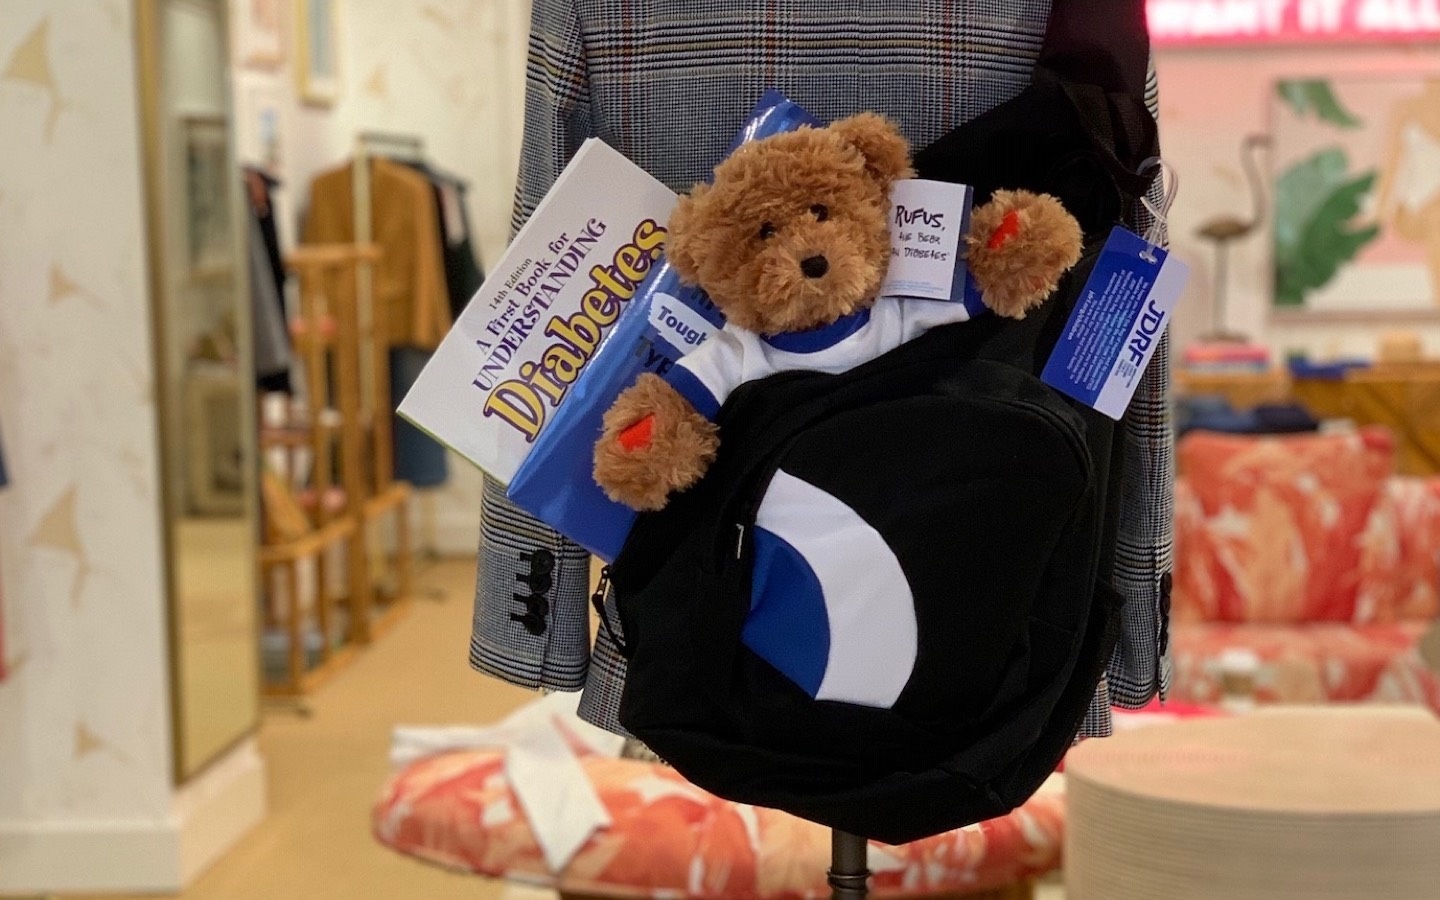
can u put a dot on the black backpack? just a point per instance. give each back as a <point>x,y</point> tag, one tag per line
<point>970,510</point>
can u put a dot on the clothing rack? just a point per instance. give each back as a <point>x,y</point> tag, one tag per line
<point>385,497</point>
<point>375,372</point>
<point>299,543</point>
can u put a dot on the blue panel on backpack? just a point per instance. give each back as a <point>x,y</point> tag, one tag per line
<point>787,626</point>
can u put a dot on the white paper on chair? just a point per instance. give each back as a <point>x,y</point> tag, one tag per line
<point>562,807</point>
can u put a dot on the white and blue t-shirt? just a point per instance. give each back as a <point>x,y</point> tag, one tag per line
<point>734,356</point>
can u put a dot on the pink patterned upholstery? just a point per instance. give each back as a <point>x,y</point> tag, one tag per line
<point>1319,662</point>
<point>1308,552</point>
<point>669,838</point>
<point>1413,507</point>
<point>1271,525</point>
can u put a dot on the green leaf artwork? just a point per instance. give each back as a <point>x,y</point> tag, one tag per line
<point>1315,202</point>
<point>1316,95</point>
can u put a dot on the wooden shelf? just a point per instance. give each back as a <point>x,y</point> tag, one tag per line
<point>308,545</point>
<point>1242,390</point>
<point>346,448</point>
<point>313,679</point>
<point>1404,399</point>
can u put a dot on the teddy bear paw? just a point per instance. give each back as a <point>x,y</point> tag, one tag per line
<point>1020,244</point>
<point>652,445</point>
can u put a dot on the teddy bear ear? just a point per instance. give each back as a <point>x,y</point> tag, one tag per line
<point>886,152</point>
<point>680,242</point>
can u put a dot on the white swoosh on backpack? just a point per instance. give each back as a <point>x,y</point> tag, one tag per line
<point>871,608</point>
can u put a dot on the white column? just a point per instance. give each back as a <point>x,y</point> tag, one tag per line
<point>87,800</point>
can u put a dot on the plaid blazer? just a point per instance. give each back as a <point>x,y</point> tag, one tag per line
<point>668,82</point>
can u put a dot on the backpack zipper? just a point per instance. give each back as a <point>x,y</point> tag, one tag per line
<point>1053,418</point>
<point>597,600</point>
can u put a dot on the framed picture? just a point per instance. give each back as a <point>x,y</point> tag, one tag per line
<point>1357,196</point>
<point>257,33</point>
<point>318,35</point>
<point>207,193</point>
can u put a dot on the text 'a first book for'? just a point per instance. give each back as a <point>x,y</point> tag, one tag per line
<point>496,379</point>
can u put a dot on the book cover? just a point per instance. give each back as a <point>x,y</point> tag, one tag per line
<point>663,322</point>
<point>556,483</point>
<point>494,383</point>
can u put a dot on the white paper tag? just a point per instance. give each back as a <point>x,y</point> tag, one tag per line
<point>1116,324</point>
<point>678,324</point>
<point>928,220</point>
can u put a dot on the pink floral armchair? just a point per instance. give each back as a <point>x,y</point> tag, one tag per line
<point>669,839</point>
<point>1309,553</point>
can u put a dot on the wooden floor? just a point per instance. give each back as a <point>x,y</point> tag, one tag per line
<point>326,769</point>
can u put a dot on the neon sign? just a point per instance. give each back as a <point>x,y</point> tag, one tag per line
<point>1179,22</point>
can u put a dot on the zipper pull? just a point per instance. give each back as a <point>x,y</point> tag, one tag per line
<point>597,599</point>
<point>739,541</point>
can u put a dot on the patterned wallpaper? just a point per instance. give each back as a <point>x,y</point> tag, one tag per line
<point>84,714</point>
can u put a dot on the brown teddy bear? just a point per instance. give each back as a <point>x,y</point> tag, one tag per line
<point>792,242</point>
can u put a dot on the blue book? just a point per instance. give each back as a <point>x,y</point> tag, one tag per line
<point>660,324</point>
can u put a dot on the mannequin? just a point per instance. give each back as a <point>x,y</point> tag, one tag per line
<point>667,86</point>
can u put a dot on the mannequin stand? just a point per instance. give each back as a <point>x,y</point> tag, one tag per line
<point>849,869</point>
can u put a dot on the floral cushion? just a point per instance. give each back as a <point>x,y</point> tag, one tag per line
<point>1276,529</point>
<point>669,838</point>
<point>1320,662</point>
<point>1410,508</point>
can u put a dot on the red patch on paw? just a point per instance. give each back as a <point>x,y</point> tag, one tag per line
<point>637,436</point>
<point>1009,228</point>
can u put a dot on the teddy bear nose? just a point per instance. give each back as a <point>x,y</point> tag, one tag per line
<point>815,266</point>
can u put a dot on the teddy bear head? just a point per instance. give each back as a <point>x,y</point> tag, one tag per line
<point>794,232</point>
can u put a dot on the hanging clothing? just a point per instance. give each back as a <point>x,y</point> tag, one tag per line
<point>418,458</point>
<point>463,274</point>
<point>267,309</point>
<point>411,304</point>
<point>267,286</point>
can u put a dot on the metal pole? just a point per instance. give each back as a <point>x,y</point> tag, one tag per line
<point>849,867</point>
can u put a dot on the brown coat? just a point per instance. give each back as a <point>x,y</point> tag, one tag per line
<point>411,306</point>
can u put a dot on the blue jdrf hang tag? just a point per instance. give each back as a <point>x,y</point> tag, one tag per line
<point>1117,323</point>
<point>1123,311</point>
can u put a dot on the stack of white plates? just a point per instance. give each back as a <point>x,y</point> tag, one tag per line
<point>1314,803</point>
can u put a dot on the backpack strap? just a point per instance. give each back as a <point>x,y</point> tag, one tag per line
<point>1099,55</point>
<point>1103,44</point>
<point>1080,131</point>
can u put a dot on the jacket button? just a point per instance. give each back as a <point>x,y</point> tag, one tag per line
<point>530,621</point>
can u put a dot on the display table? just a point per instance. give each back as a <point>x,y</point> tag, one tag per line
<point>1313,803</point>
<point>1405,399</point>
<point>1241,390</point>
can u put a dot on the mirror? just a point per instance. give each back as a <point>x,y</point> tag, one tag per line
<point>205,376</point>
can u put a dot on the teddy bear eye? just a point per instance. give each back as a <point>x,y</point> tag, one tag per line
<point>820,211</point>
<point>767,231</point>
